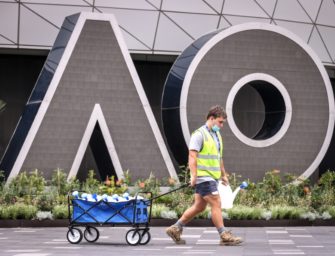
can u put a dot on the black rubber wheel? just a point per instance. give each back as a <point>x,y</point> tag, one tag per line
<point>133,237</point>
<point>91,234</point>
<point>74,235</point>
<point>145,237</point>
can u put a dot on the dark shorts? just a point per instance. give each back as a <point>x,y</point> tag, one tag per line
<point>207,188</point>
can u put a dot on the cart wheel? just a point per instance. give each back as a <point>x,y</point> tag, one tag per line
<point>74,235</point>
<point>91,234</point>
<point>145,237</point>
<point>133,237</point>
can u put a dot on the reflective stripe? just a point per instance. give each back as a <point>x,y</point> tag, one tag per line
<point>208,156</point>
<point>209,168</point>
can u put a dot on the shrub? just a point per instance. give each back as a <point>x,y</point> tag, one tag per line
<point>60,212</point>
<point>18,211</point>
<point>28,184</point>
<point>157,209</point>
<point>169,215</point>
<point>286,212</point>
<point>239,212</point>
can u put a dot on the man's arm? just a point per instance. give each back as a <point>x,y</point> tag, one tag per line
<point>192,164</point>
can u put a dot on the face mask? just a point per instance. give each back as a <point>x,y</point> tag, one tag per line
<point>215,128</point>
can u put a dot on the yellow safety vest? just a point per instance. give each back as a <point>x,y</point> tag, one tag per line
<point>209,159</point>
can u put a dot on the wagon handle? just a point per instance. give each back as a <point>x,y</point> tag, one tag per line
<point>171,191</point>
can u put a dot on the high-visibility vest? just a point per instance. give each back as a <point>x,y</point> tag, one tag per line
<point>209,159</point>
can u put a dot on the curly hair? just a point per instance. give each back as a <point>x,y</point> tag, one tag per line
<point>216,111</point>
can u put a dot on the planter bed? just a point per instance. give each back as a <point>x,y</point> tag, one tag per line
<point>168,222</point>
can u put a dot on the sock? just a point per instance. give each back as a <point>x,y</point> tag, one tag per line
<point>179,224</point>
<point>222,229</point>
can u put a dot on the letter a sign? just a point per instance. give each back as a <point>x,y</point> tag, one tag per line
<point>88,81</point>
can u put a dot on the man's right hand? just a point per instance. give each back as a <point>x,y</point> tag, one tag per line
<point>193,181</point>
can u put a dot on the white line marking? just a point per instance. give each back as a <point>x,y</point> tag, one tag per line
<point>178,247</point>
<point>288,253</point>
<point>162,239</point>
<point>310,246</point>
<point>300,229</point>
<point>191,236</point>
<point>67,247</point>
<point>25,231</point>
<point>32,254</point>
<point>27,250</point>
<point>56,242</point>
<point>286,250</point>
<point>149,249</point>
<point>278,241</point>
<point>276,231</point>
<point>201,251</point>
<point>198,252</point>
<point>301,236</point>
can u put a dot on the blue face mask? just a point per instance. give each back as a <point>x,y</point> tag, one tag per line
<point>215,128</point>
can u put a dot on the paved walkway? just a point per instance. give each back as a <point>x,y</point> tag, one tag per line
<point>200,241</point>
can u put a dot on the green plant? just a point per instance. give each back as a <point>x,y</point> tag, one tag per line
<point>184,174</point>
<point>28,184</point>
<point>45,201</point>
<point>18,211</point>
<point>60,212</point>
<point>240,212</point>
<point>91,184</point>
<point>73,184</point>
<point>58,180</point>
<point>151,184</point>
<point>157,210</point>
<point>287,212</point>
<point>323,193</point>
<point>111,186</point>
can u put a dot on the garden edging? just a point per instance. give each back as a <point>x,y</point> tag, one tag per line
<point>21,223</point>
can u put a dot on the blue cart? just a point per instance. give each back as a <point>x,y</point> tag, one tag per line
<point>135,213</point>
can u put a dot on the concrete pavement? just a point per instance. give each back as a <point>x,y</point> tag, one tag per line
<point>200,241</point>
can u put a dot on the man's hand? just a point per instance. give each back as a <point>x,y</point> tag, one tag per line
<point>225,180</point>
<point>193,181</point>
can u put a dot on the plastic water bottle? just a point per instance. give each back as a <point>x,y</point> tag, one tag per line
<point>90,198</point>
<point>95,197</point>
<point>126,196</point>
<point>75,194</point>
<point>84,196</point>
<point>115,197</point>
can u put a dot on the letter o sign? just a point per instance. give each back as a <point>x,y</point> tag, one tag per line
<point>276,92</point>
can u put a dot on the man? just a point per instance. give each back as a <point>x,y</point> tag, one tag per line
<point>206,167</point>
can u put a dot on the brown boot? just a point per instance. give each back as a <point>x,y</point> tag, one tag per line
<point>227,238</point>
<point>174,232</point>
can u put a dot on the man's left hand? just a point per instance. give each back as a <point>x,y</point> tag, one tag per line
<point>225,180</point>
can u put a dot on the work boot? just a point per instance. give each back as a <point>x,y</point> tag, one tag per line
<point>174,232</point>
<point>227,238</point>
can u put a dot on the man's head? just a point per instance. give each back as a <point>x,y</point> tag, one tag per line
<point>216,117</point>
